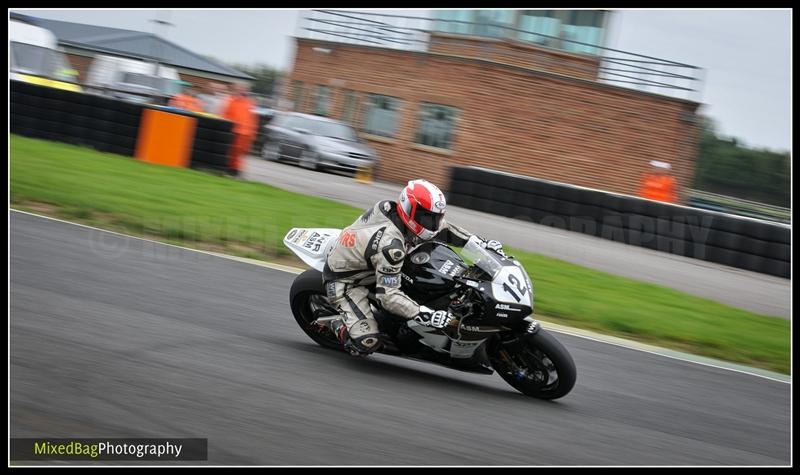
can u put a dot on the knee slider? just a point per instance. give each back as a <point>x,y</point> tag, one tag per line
<point>364,335</point>
<point>366,343</point>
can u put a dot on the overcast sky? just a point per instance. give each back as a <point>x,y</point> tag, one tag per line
<point>746,54</point>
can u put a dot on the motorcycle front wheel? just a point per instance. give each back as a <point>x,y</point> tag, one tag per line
<point>540,367</point>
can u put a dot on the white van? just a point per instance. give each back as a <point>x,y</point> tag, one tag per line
<point>35,57</point>
<point>132,79</point>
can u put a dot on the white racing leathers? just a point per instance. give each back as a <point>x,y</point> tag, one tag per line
<point>371,251</point>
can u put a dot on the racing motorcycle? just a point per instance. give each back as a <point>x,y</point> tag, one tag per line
<point>489,295</point>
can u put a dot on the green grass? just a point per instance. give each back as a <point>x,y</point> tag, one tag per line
<point>585,298</point>
<point>201,210</point>
<point>183,206</point>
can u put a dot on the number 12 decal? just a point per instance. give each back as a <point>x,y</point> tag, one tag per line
<point>521,288</point>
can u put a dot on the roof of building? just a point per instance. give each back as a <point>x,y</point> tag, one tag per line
<point>129,43</point>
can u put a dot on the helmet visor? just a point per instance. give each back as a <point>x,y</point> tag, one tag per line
<point>428,219</point>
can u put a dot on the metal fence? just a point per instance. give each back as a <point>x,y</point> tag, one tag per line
<point>414,33</point>
<point>738,206</point>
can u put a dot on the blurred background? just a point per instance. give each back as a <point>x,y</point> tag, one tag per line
<point>637,162</point>
<point>729,66</point>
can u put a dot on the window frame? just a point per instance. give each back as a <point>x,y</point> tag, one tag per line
<point>370,106</point>
<point>327,90</point>
<point>350,99</point>
<point>449,137</point>
<point>298,94</point>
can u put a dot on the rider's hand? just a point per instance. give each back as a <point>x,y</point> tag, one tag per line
<point>435,319</point>
<point>495,246</point>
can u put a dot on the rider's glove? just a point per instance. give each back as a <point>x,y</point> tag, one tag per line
<point>495,246</point>
<point>433,318</point>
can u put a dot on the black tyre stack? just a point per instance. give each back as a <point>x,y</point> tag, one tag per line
<point>105,124</point>
<point>101,123</point>
<point>212,142</point>
<point>735,241</point>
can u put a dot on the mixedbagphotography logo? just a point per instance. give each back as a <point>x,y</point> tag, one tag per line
<point>108,449</point>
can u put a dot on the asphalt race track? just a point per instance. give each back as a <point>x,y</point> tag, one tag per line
<point>118,337</point>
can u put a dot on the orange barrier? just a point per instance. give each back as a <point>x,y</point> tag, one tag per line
<point>659,188</point>
<point>165,138</point>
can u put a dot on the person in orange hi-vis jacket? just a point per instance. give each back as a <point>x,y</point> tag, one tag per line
<point>186,100</point>
<point>239,110</point>
<point>659,185</point>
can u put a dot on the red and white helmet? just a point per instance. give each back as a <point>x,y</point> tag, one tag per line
<point>421,207</point>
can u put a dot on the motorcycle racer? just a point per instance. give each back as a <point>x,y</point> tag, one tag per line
<point>372,250</point>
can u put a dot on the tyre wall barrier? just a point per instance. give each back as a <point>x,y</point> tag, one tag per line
<point>261,135</point>
<point>740,242</point>
<point>115,126</point>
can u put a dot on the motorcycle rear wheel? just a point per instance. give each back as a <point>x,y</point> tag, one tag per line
<point>306,296</point>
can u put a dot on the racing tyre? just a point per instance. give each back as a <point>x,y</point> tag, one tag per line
<point>540,367</point>
<point>308,302</point>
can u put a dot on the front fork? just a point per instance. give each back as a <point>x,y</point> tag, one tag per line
<point>510,343</point>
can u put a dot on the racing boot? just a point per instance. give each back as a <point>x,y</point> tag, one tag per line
<point>360,347</point>
<point>340,330</point>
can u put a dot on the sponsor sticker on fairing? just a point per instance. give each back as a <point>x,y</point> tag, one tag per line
<point>446,267</point>
<point>311,240</point>
<point>464,349</point>
<point>316,241</point>
<point>420,258</point>
<point>300,237</point>
<point>502,306</point>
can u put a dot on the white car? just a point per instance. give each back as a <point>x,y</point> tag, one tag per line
<point>316,142</point>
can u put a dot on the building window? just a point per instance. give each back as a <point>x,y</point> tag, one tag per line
<point>436,125</point>
<point>585,26</point>
<point>350,107</point>
<point>322,102</point>
<point>551,28</point>
<point>474,22</point>
<point>381,115</point>
<point>491,23</point>
<point>298,96</point>
<point>543,22</point>
<point>449,21</point>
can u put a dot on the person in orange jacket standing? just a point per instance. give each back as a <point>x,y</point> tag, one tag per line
<point>659,185</point>
<point>239,110</point>
<point>186,100</point>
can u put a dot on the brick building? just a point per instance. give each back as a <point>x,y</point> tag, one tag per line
<point>550,107</point>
